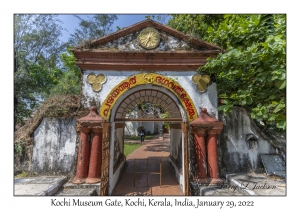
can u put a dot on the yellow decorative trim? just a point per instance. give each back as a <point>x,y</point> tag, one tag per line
<point>142,79</point>
<point>148,78</point>
<point>96,81</point>
<point>201,81</point>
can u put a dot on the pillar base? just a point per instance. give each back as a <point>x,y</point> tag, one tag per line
<point>209,181</point>
<point>92,180</point>
<point>216,181</point>
<point>79,181</point>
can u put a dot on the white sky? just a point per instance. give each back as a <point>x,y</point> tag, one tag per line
<point>8,8</point>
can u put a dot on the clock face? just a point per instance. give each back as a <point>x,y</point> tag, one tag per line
<point>149,38</point>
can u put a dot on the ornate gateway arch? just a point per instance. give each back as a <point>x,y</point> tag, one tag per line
<point>146,79</point>
<point>152,65</point>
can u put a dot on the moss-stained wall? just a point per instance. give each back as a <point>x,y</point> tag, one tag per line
<point>242,142</point>
<point>54,150</point>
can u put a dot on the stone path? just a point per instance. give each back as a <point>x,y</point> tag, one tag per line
<point>155,150</point>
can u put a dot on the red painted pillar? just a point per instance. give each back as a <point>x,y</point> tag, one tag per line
<point>212,127</point>
<point>83,156</point>
<point>96,157</point>
<point>212,155</point>
<point>200,153</point>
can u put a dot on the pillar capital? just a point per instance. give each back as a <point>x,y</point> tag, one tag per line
<point>91,120</point>
<point>97,130</point>
<point>84,129</point>
<point>214,131</point>
<point>205,122</point>
<point>199,131</point>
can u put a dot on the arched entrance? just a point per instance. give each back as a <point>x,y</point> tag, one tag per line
<point>169,103</point>
<point>119,73</point>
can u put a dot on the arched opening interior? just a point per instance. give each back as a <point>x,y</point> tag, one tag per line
<point>160,113</point>
<point>148,104</point>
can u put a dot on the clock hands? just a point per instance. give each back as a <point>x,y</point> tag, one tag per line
<point>149,37</point>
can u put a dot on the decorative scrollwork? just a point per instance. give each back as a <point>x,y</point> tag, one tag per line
<point>201,81</point>
<point>96,81</point>
<point>149,78</point>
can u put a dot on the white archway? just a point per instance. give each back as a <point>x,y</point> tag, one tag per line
<point>176,133</point>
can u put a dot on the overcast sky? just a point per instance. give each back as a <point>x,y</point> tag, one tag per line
<point>70,22</point>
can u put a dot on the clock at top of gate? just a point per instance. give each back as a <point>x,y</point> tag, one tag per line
<point>149,38</point>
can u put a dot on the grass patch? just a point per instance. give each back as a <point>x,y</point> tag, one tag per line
<point>147,137</point>
<point>23,174</point>
<point>130,147</point>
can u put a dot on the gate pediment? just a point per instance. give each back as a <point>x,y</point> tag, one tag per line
<point>123,50</point>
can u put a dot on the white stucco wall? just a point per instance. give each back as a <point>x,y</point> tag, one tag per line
<point>118,143</point>
<point>54,147</point>
<point>157,127</point>
<point>131,128</point>
<point>115,175</point>
<point>175,135</point>
<point>149,126</point>
<point>184,78</point>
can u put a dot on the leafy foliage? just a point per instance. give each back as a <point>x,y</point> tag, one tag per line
<point>43,65</point>
<point>36,55</point>
<point>69,83</point>
<point>252,71</point>
<point>92,28</point>
<point>194,25</point>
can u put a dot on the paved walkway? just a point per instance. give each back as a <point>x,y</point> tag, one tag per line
<point>153,150</point>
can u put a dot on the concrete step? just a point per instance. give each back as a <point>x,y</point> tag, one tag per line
<point>38,186</point>
<point>79,189</point>
<point>220,189</point>
<point>78,192</point>
<point>257,184</point>
<point>246,184</point>
<point>223,190</point>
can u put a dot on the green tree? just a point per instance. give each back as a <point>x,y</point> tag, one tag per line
<point>93,27</point>
<point>69,82</point>
<point>252,71</point>
<point>195,25</point>
<point>36,55</point>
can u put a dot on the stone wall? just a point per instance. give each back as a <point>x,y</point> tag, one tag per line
<point>54,150</point>
<point>242,142</point>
